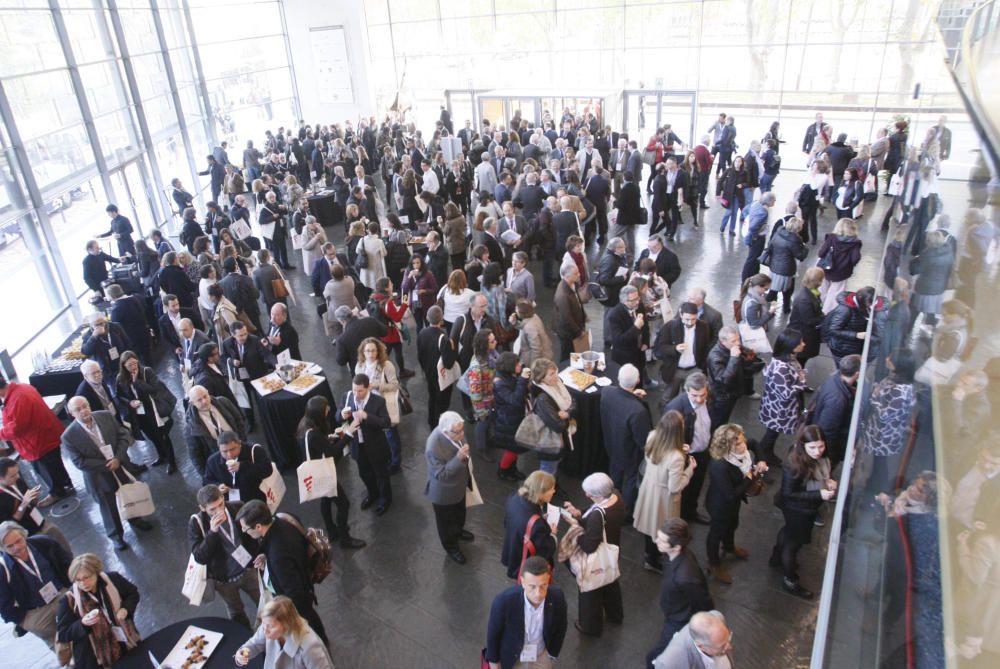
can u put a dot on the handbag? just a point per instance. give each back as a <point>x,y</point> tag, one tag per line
<point>643,216</point>
<point>472,495</point>
<point>597,569</point>
<point>317,477</point>
<point>463,383</point>
<point>447,375</point>
<point>239,391</point>
<point>527,545</point>
<point>754,338</point>
<point>895,185</point>
<point>361,259</point>
<point>405,403</point>
<point>134,499</point>
<point>826,262</point>
<point>765,256</point>
<point>534,435</point>
<point>757,486</point>
<point>724,202</point>
<point>273,486</point>
<point>198,587</point>
<point>243,318</point>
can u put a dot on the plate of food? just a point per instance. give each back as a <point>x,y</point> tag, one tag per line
<point>603,381</point>
<point>576,379</point>
<point>266,385</point>
<point>193,649</point>
<point>304,384</point>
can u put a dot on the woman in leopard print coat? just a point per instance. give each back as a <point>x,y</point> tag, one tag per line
<point>890,413</point>
<point>781,403</point>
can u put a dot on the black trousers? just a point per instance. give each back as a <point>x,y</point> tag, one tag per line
<point>307,611</point>
<point>438,401</point>
<point>595,605</point>
<point>52,471</point>
<point>724,161</point>
<point>373,467</point>
<point>624,472</point>
<point>652,553</point>
<point>786,548</point>
<point>809,229</point>
<point>672,216</point>
<point>336,530</point>
<point>159,437</point>
<point>450,519</point>
<point>396,349</point>
<point>689,496</point>
<point>108,505</point>
<point>721,410</point>
<point>752,265</point>
<point>458,261</point>
<point>670,627</point>
<point>722,530</point>
<point>565,347</point>
<point>279,249</point>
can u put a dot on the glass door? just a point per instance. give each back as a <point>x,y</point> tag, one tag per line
<point>134,201</point>
<point>492,110</point>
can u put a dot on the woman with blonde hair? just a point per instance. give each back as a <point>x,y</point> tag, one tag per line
<point>668,471</point>
<point>524,514</point>
<point>291,192</point>
<point>96,604</point>
<point>313,238</point>
<point>286,640</point>
<point>373,360</point>
<point>731,473</point>
<point>453,298</point>
<point>807,313</point>
<point>838,256</point>
<point>355,233</point>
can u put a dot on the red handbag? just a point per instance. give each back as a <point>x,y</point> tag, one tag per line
<point>527,545</point>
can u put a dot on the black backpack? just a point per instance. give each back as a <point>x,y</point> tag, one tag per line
<point>375,311</point>
<point>807,197</point>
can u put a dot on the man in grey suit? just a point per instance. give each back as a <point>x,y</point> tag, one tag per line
<point>448,479</point>
<point>634,164</point>
<point>706,635</point>
<point>98,445</point>
<point>486,177</point>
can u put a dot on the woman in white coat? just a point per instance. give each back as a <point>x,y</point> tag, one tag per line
<point>313,238</point>
<point>372,246</point>
<point>668,471</point>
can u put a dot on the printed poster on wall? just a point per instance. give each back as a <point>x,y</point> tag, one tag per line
<point>332,66</point>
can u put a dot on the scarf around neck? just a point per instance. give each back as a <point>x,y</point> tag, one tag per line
<point>744,462</point>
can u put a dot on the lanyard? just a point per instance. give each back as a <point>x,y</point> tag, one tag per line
<point>13,492</point>
<point>232,530</point>
<point>36,572</point>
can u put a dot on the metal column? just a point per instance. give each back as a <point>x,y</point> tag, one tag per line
<point>202,86</point>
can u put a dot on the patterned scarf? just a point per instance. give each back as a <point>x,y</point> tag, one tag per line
<point>106,649</point>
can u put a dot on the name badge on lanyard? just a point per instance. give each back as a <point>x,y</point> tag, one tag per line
<point>529,653</point>
<point>242,373</point>
<point>112,349</point>
<point>48,591</point>
<point>241,555</point>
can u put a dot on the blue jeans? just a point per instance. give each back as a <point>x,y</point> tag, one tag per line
<point>730,216</point>
<point>550,466</point>
<point>395,447</point>
<point>747,201</point>
<point>766,181</point>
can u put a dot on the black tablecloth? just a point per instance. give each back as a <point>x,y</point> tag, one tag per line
<point>162,642</point>
<point>62,382</point>
<point>280,415</point>
<point>588,454</point>
<point>325,209</point>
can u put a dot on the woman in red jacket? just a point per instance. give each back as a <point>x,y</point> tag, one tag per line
<point>391,314</point>
<point>35,432</point>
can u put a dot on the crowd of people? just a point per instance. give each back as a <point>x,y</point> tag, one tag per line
<point>438,251</point>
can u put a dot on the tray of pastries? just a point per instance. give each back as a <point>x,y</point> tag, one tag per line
<point>72,351</point>
<point>576,379</point>
<point>304,384</point>
<point>266,385</point>
<point>193,649</point>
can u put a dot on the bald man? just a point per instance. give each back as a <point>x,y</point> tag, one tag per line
<point>281,336</point>
<point>98,446</point>
<point>704,642</point>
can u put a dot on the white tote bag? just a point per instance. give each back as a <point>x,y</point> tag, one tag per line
<point>472,496</point>
<point>273,486</point>
<point>447,375</point>
<point>755,338</point>
<point>317,478</point>
<point>134,499</point>
<point>198,588</point>
<point>599,568</point>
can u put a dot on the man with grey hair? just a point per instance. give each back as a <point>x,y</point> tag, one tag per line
<point>98,446</point>
<point>571,319</point>
<point>486,176</point>
<point>105,342</point>
<point>710,315</point>
<point>617,163</point>
<point>727,374</point>
<point>627,331</point>
<point>519,281</point>
<point>692,404</point>
<point>96,389</point>
<point>756,233</point>
<point>35,576</point>
<point>465,327</point>
<point>704,643</point>
<point>625,422</point>
<point>449,480</point>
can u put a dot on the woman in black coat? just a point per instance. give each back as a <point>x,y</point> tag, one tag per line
<point>807,314</point>
<point>628,203</point>
<point>897,146</point>
<point>787,250</point>
<point>85,611</point>
<point>529,501</point>
<point>149,263</point>
<point>848,194</point>
<point>805,485</point>
<point>510,392</point>
<point>553,403</point>
<point>729,190</point>
<point>146,404</point>
<point>730,475</point>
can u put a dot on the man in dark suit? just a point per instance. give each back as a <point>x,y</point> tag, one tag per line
<point>626,421</point>
<point>175,281</point>
<point>684,589</point>
<point>692,404</point>
<point>190,340</point>
<point>218,176</point>
<point>105,342</point>
<point>515,222</point>
<point>812,132</point>
<point>491,240</point>
<point>433,345</point>
<point>465,327</point>
<point>598,192</point>
<point>675,182</point>
<point>284,550</point>
<point>215,538</point>
<point>320,274</point>
<point>634,164</point>
<point>205,419</point>
<point>95,270</point>
<point>668,267</point>
<point>130,312</point>
<point>628,332</point>
<point>530,196</point>
<point>355,331</point>
<point>241,291</point>
<point>571,318</point>
<point>169,324</point>
<point>246,359</point>
<point>122,230</point>
<point>98,392</point>
<point>365,419</point>
<point>181,197</point>
<point>436,259</point>
<point>465,134</point>
<point>706,313</point>
<point>238,471</point>
<point>681,346</point>
<point>515,635</point>
<point>98,446</point>
<point>281,336</point>
<point>566,225</point>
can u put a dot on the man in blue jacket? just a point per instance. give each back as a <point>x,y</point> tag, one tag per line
<point>528,621</point>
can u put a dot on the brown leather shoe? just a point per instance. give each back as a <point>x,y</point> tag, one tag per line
<point>740,553</point>
<point>48,500</point>
<point>721,575</point>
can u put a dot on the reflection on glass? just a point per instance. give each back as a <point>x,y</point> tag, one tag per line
<point>77,217</point>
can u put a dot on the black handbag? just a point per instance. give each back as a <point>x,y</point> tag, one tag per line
<point>826,262</point>
<point>765,257</point>
<point>405,403</point>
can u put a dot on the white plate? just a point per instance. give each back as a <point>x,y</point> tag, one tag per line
<point>179,653</point>
<point>603,381</point>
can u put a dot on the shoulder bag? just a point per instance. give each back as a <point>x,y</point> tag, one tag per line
<point>598,569</point>
<point>527,545</point>
<point>279,286</point>
<point>317,477</point>
<point>534,435</point>
<point>198,587</point>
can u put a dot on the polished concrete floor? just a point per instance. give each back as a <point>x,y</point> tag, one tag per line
<point>401,602</point>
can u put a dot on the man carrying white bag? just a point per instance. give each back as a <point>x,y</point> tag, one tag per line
<point>244,472</point>
<point>221,556</point>
<point>317,476</point>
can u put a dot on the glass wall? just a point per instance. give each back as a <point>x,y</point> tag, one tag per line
<point>760,60</point>
<point>107,102</point>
